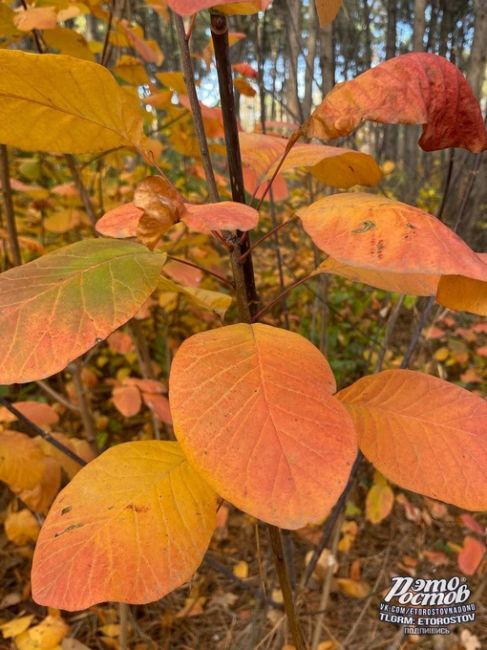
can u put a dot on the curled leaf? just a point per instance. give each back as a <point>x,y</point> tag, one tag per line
<point>162,207</point>
<point>415,88</point>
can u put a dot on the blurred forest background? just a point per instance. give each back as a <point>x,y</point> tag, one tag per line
<point>117,392</point>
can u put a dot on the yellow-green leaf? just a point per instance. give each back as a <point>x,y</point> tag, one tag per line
<point>56,308</point>
<point>59,103</point>
<point>131,526</point>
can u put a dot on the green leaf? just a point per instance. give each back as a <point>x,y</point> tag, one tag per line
<point>56,308</point>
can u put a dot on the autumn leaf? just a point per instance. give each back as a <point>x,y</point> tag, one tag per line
<point>226,215</point>
<point>162,207</point>
<point>188,7</point>
<point>463,294</point>
<point>127,400</point>
<point>387,244</point>
<point>327,10</point>
<point>21,460</point>
<point>353,588</point>
<point>379,502</point>
<point>30,18</point>
<point>334,166</point>
<point>40,413</point>
<point>253,411</point>
<point>21,527</point>
<point>59,103</point>
<point>120,222</point>
<point>131,526</point>
<point>214,300</point>
<point>48,634</point>
<point>415,88</point>
<point>56,308</point>
<point>471,555</point>
<point>245,69</point>
<point>422,433</point>
<point>244,88</point>
<point>40,497</point>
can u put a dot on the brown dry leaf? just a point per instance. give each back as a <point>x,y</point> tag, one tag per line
<point>163,206</point>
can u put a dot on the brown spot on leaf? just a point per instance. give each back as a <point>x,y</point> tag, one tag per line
<point>136,508</point>
<point>67,529</point>
<point>65,510</point>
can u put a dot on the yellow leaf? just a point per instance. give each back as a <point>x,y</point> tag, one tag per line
<point>379,503</point>
<point>463,294</point>
<point>241,570</point>
<point>138,508</point>
<point>442,354</point>
<point>58,103</point>
<point>15,627</point>
<point>353,588</point>
<point>45,636</point>
<point>213,300</point>
<point>131,70</point>
<point>21,460</point>
<point>67,41</point>
<point>112,629</point>
<point>21,527</point>
<point>173,80</point>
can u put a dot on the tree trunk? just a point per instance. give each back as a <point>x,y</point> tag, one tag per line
<point>327,59</point>
<point>419,25</point>
<point>313,28</point>
<point>292,31</point>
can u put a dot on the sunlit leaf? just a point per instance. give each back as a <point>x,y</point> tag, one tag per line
<point>30,18</point>
<point>463,294</point>
<point>60,305</point>
<point>253,410</point>
<point>387,244</point>
<point>423,433</point>
<point>415,88</point>
<point>131,526</point>
<point>59,103</point>
<point>188,7</point>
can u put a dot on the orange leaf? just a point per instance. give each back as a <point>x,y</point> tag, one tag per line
<point>226,215</point>
<point>335,166</point>
<point>21,460</point>
<point>40,497</point>
<point>388,244</point>
<point>253,410</point>
<point>56,308</point>
<point>160,405</point>
<point>471,555</point>
<point>40,413</point>
<point>414,88</point>
<point>131,526</point>
<point>188,7</point>
<point>127,400</point>
<point>35,18</point>
<point>183,273</point>
<point>245,69</point>
<point>80,447</point>
<point>327,10</point>
<point>120,222</point>
<point>244,88</point>
<point>463,294</point>
<point>423,433</point>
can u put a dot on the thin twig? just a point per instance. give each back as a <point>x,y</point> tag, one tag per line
<point>8,204</point>
<point>289,145</point>
<point>268,234</point>
<point>33,428</point>
<point>219,277</point>
<point>84,404</point>
<point>57,396</point>
<point>83,192</point>
<point>195,108</point>
<point>271,304</point>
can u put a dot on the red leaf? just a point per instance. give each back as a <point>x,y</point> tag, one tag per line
<point>470,556</point>
<point>226,215</point>
<point>415,88</point>
<point>246,70</point>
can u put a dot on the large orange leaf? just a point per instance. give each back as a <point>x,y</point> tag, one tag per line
<point>21,460</point>
<point>131,526</point>
<point>415,88</point>
<point>335,166</point>
<point>188,7</point>
<point>59,103</point>
<point>253,410</point>
<point>387,244</point>
<point>56,308</point>
<point>423,433</point>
